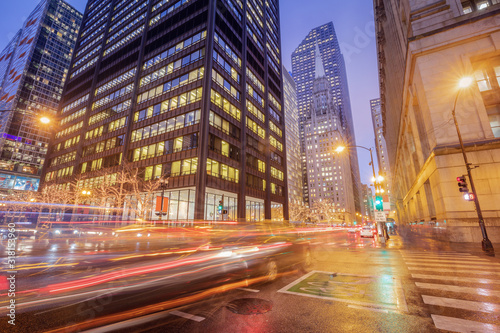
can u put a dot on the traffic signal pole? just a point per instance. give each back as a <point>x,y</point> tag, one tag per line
<point>486,244</point>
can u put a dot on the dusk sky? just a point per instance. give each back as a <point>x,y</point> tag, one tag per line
<point>353,21</point>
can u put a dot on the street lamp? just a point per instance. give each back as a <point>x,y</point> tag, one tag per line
<point>486,243</point>
<point>376,182</point>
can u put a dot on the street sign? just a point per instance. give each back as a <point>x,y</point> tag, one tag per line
<point>380,217</point>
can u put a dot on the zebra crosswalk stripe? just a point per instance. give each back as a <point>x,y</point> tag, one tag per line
<point>462,325</point>
<point>471,266</point>
<point>443,270</point>
<point>459,289</point>
<point>454,278</point>
<point>461,304</point>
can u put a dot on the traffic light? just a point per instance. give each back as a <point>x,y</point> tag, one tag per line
<point>220,208</point>
<point>462,184</point>
<point>379,203</point>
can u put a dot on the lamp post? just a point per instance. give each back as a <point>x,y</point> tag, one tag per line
<point>376,184</point>
<point>486,244</point>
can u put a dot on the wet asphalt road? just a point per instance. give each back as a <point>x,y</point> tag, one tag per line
<point>410,284</point>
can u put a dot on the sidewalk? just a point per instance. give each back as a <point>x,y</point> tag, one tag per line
<point>413,241</point>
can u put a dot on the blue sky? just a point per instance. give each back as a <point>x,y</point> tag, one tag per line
<point>353,21</point>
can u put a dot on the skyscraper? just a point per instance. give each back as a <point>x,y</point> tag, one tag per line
<point>191,90</point>
<point>328,173</point>
<point>33,69</point>
<point>380,144</point>
<point>303,69</point>
<point>294,165</point>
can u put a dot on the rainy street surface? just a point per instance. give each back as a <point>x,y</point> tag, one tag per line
<point>352,284</point>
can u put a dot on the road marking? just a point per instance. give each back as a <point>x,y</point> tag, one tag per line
<point>128,323</point>
<point>250,290</point>
<point>443,257</point>
<point>187,315</point>
<point>466,261</point>
<point>433,253</point>
<point>367,308</point>
<point>454,278</point>
<point>461,304</point>
<point>457,289</point>
<point>462,325</point>
<point>441,270</point>
<point>398,302</point>
<point>470,266</point>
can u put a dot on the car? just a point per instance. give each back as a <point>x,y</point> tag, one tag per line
<point>56,230</point>
<point>267,249</point>
<point>367,231</point>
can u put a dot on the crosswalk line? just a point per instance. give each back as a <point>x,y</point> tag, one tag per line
<point>440,253</point>
<point>481,261</point>
<point>454,278</point>
<point>442,270</point>
<point>443,257</point>
<point>462,325</point>
<point>458,289</point>
<point>461,304</point>
<point>471,266</point>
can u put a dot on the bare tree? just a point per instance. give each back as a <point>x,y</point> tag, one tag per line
<point>325,210</point>
<point>141,199</point>
<point>299,212</point>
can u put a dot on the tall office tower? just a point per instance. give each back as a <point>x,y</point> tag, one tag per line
<point>33,69</point>
<point>303,73</point>
<point>378,129</point>
<point>328,172</point>
<point>368,202</point>
<point>186,89</point>
<point>424,50</point>
<point>294,165</point>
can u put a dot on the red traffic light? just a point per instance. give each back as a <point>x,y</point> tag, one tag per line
<point>462,184</point>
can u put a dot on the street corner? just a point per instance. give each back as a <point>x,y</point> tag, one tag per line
<point>383,292</point>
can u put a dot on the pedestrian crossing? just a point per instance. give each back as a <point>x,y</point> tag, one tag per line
<point>461,289</point>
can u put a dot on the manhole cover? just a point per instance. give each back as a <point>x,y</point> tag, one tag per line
<point>250,306</point>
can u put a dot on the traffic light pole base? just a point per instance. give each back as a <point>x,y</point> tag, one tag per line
<point>488,247</point>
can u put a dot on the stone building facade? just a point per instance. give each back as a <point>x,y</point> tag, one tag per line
<point>329,177</point>
<point>424,49</point>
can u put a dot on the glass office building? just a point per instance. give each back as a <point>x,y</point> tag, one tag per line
<point>191,90</point>
<point>33,69</point>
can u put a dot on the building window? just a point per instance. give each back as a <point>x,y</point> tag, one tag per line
<point>470,6</point>
<point>487,74</point>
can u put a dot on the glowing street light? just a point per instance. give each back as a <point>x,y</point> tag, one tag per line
<point>45,120</point>
<point>465,82</point>
<point>340,149</point>
<point>84,192</point>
